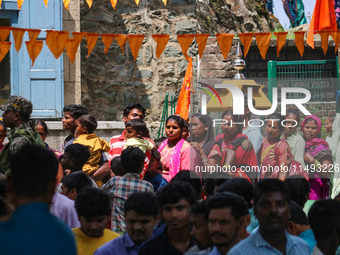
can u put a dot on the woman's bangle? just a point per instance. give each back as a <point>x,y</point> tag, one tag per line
<point>205,160</point>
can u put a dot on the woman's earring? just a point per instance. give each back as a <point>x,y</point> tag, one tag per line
<point>206,129</point>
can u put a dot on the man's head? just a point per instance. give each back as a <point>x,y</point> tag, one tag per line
<point>175,201</point>
<point>133,160</point>
<point>141,216</point>
<point>298,221</point>
<point>74,183</point>
<point>133,111</point>
<point>117,166</point>
<point>226,218</point>
<point>199,219</point>
<point>74,157</point>
<point>324,219</point>
<point>17,111</point>
<point>271,201</point>
<point>298,188</point>
<point>85,124</point>
<point>33,174</point>
<point>71,113</point>
<point>94,208</point>
<point>190,177</point>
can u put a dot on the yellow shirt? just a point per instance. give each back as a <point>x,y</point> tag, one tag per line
<point>88,245</point>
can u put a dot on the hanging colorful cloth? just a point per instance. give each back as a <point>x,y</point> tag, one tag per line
<point>295,11</point>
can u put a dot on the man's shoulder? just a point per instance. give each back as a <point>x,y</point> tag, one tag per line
<point>153,244</point>
<point>111,248</point>
<point>299,241</point>
<point>247,244</point>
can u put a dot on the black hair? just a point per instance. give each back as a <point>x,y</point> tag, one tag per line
<point>144,203</point>
<point>132,106</point>
<point>297,215</point>
<point>235,118</point>
<point>298,189</point>
<point>89,122</point>
<point>117,166</point>
<point>324,217</point>
<point>175,191</point>
<point>2,123</point>
<point>269,185</point>
<point>77,180</point>
<point>184,176</point>
<point>210,184</point>
<point>79,153</point>
<point>33,169</point>
<point>75,110</point>
<point>3,207</point>
<point>155,154</point>
<point>3,188</point>
<point>277,116</point>
<point>179,120</point>
<point>160,140</point>
<point>92,202</point>
<point>236,203</point>
<point>138,125</point>
<point>294,112</point>
<point>40,122</point>
<point>200,207</point>
<point>133,160</point>
<point>239,186</point>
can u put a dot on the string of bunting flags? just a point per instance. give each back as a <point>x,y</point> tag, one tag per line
<point>58,41</point>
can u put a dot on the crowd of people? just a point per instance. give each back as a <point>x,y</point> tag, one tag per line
<point>191,192</point>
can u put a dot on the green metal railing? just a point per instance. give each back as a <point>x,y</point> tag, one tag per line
<point>165,113</point>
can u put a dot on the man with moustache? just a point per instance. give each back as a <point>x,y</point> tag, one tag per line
<point>271,200</point>
<point>227,218</point>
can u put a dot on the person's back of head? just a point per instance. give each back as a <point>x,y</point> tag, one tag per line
<point>298,189</point>
<point>211,185</point>
<point>133,160</point>
<point>33,175</point>
<point>75,183</point>
<point>75,110</point>
<point>89,122</point>
<point>174,192</point>
<point>76,156</point>
<point>117,166</point>
<point>190,177</point>
<point>267,186</point>
<point>239,186</point>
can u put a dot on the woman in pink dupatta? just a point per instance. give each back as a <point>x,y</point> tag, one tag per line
<point>317,156</point>
<point>175,151</point>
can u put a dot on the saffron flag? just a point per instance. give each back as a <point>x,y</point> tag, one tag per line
<point>183,103</point>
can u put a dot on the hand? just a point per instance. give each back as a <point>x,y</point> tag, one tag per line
<point>309,159</point>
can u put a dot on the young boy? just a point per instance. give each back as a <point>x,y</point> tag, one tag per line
<point>135,130</point>
<point>120,187</point>
<point>86,125</point>
<point>73,183</point>
<point>93,208</point>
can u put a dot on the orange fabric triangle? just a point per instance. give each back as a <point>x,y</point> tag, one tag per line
<point>225,41</point>
<point>18,34</point>
<point>135,42</point>
<point>91,39</point>
<point>4,33</point>
<point>56,42</point>
<point>4,49</point>
<point>0,8</point>
<point>34,49</point>
<point>164,2</point>
<point>201,40</point>
<point>20,2</point>
<point>299,41</point>
<point>324,40</point>
<point>33,34</point>
<point>107,40</point>
<point>336,38</point>
<point>114,3</point>
<point>263,41</point>
<point>78,37</point>
<point>46,2</point>
<point>137,2</point>
<point>66,3</point>
<point>121,40</point>
<point>323,19</point>
<point>185,41</point>
<point>71,49</point>
<point>161,41</point>
<point>246,39</point>
<point>89,3</point>
<point>280,41</point>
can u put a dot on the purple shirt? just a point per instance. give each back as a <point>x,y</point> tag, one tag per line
<point>120,246</point>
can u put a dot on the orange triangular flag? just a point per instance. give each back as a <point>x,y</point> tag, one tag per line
<point>263,40</point>
<point>201,40</point>
<point>336,38</point>
<point>20,2</point>
<point>66,3</point>
<point>121,40</point>
<point>71,49</point>
<point>137,2</point>
<point>299,41</point>
<point>107,40</point>
<point>161,41</point>
<point>46,2</point>
<point>135,42</point>
<point>114,3</point>
<point>4,49</point>
<point>34,49</point>
<point>225,41</point>
<point>324,40</point>
<point>246,39</point>
<point>56,42</point>
<point>33,34</point>
<point>0,8</point>
<point>89,3</point>
<point>183,103</point>
<point>78,36</point>
<point>280,41</point>
<point>91,39</point>
<point>323,19</point>
<point>185,41</point>
<point>18,33</point>
<point>4,33</point>
<point>164,2</point>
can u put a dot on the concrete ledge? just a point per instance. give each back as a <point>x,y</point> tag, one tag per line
<point>57,125</point>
